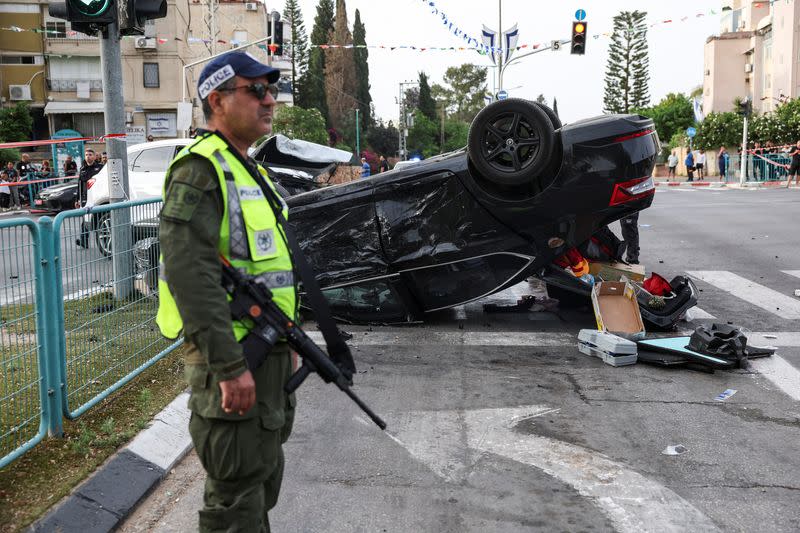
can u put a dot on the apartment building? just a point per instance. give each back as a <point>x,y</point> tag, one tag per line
<point>756,54</point>
<point>62,67</point>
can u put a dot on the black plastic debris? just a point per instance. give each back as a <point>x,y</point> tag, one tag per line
<point>727,342</point>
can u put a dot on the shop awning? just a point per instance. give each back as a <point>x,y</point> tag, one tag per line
<point>65,108</point>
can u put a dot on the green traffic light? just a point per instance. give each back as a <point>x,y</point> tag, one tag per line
<point>90,8</point>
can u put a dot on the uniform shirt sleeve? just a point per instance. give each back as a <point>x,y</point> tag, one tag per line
<point>189,235</point>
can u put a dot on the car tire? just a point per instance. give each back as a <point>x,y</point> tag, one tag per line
<point>511,142</point>
<point>102,234</point>
<point>568,299</point>
<point>551,115</point>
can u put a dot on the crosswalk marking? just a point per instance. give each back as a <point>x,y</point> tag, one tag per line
<point>795,273</point>
<point>750,291</point>
<point>695,313</point>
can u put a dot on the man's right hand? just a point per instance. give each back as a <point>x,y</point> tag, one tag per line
<point>238,394</point>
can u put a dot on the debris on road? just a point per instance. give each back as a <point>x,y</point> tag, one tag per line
<point>677,449</point>
<point>797,292</point>
<point>727,393</point>
<point>617,310</point>
<point>613,350</point>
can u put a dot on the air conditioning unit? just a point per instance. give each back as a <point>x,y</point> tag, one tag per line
<point>251,6</point>
<point>748,67</point>
<point>144,43</point>
<point>19,92</point>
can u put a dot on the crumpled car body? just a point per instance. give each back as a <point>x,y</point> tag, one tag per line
<point>398,245</point>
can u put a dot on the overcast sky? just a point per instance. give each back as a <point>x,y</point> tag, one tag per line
<point>676,49</point>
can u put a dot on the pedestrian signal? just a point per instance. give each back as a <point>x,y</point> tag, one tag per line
<point>578,45</point>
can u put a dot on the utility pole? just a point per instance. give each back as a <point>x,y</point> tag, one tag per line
<point>358,140</point>
<point>403,124</point>
<point>114,106</point>
<point>743,157</point>
<point>500,54</point>
<point>210,18</point>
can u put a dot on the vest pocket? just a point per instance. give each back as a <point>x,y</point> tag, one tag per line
<point>262,232</point>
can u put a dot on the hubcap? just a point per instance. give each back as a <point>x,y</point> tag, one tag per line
<point>510,142</point>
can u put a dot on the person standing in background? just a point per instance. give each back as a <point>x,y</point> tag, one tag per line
<point>366,171</point>
<point>70,167</point>
<point>689,162</point>
<point>672,164</point>
<point>722,162</point>
<point>700,164</point>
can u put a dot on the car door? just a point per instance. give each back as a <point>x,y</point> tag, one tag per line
<point>146,178</point>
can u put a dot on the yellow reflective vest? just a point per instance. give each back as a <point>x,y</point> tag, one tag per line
<point>249,236</point>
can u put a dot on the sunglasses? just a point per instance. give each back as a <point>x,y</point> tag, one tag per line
<point>259,90</point>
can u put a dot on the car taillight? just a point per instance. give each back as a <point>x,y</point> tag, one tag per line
<point>634,189</point>
<point>90,183</point>
<point>633,136</point>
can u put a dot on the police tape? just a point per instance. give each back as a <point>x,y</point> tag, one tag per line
<point>30,182</point>
<point>781,165</point>
<point>46,142</point>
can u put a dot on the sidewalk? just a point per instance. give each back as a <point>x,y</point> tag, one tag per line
<point>714,182</point>
<point>102,502</point>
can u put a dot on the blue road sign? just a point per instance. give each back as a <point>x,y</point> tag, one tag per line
<point>502,94</point>
<point>580,14</point>
<point>691,132</point>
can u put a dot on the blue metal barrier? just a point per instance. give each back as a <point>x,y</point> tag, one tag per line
<point>68,337</point>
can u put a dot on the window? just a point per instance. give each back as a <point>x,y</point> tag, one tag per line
<point>154,159</point>
<point>150,75</point>
<point>17,60</point>
<point>55,29</point>
<point>370,300</point>
<point>90,124</point>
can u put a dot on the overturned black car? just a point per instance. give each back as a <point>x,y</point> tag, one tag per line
<point>464,225</point>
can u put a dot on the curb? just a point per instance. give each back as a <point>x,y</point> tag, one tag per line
<point>719,184</point>
<point>102,502</point>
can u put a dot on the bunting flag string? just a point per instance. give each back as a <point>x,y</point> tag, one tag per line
<point>470,43</point>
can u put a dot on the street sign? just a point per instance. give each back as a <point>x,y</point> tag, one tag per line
<point>502,94</point>
<point>580,14</point>
<point>691,132</point>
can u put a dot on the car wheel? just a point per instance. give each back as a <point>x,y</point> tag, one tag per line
<point>568,299</point>
<point>102,234</point>
<point>511,142</point>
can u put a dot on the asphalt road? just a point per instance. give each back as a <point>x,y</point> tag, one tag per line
<point>83,270</point>
<point>498,423</point>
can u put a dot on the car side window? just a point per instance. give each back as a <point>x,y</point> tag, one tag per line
<point>154,159</point>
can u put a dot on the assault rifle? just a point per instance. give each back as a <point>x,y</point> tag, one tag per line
<point>253,301</point>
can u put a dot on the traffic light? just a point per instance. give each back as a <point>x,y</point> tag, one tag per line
<point>578,45</point>
<point>745,107</point>
<point>133,14</point>
<point>85,16</point>
<point>276,48</point>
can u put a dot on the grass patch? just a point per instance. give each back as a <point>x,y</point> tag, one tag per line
<point>40,478</point>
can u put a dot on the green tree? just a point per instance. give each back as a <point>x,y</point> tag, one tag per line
<point>298,123</point>
<point>673,113</point>
<point>627,77</point>
<point>426,104</point>
<point>299,48</point>
<point>361,54</point>
<point>313,82</point>
<point>463,94</point>
<point>16,123</point>
<point>455,135</point>
<point>383,139</point>
<point>423,136</point>
<point>719,129</point>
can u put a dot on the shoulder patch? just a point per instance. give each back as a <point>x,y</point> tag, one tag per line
<point>181,202</point>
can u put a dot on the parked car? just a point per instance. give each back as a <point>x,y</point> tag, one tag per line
<point>458,227</point>
<point>56,198</point>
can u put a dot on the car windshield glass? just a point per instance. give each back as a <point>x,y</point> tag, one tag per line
<point>374,301</point>
<point>154,159</point>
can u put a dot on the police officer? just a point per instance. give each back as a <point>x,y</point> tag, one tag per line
<point>90,167</point>
<point>217,200</point>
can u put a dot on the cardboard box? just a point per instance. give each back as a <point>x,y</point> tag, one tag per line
<point>615,271</point>
<point>616,309</point>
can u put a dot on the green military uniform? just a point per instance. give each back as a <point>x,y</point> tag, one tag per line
<point>242,454</point>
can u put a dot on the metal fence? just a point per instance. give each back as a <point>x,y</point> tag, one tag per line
<point>78,315</point>
<point>769,167</point>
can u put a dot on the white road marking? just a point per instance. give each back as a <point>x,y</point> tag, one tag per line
<point>795,273</point>
<point>758,295</point>
<point>456,338</point>
<point>451,443</point>
<point>779,371</point>
<point>695,313</point>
